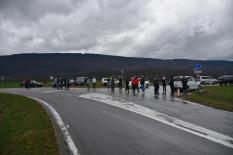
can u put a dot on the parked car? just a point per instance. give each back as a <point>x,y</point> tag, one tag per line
<point>30,83</point>
<point>204,80</point>
<point>35,84</point>
<point>81,81</point>
<point>193,84</point>
<point>104,81</point>
<point>71,82</point>
<point>147,83</point>
<point>226,79</point>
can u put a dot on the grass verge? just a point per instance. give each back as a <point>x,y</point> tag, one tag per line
<point>9,84</point>
<point>25,127</point>
<point>220,97</point>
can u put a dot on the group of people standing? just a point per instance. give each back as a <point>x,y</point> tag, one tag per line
<point>184,82</point>
<point>129,83</point>
<point>61,83</point>
<point>139,83</point>
<point>164,85</point>
<point>135,83</point>
<point>91,82</point>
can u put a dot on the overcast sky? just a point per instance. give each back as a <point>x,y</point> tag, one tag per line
<point>193,29</point>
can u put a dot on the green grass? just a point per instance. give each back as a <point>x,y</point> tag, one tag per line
<point>220,97</point>
<point>9,84</point>
<point>25,128</point>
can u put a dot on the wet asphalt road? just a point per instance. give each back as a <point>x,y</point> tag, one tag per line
<point>99,129</point>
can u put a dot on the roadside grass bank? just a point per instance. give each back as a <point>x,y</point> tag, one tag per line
<point>9,84</point>
<point>219,97</point>
<point>25,127</point>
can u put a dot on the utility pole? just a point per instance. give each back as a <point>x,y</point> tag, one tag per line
<point>122,73</point>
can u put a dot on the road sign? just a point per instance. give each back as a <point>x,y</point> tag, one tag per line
<point>197,69</point>
<point>197,66</point>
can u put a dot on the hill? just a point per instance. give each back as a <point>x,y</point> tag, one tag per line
<point>41,66</point>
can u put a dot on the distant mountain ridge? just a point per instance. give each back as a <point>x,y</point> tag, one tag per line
<point>41,66</point>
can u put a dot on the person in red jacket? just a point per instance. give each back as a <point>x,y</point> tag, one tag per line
<point>135,83</point>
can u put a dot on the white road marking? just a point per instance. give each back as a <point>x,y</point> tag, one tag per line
<point>50,91</point>
<point>68,139</point>
<point>172,121</point>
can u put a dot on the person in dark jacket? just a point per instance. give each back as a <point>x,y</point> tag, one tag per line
<point>164,84</point>
<point>112,84</point>
<point>120,85</point>
<point>67,84</point>
<point>156,86</point>
<point>185,85</point>
<point>88,83</point>
<point>142,82</point>
<point>127,84</point>
<point>109,82</point>
<point>171,83</point>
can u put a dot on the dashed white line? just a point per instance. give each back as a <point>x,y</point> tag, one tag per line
<point>172,121</point>
<point>73,149</point>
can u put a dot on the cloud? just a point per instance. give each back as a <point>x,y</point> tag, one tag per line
<point>152,28</point>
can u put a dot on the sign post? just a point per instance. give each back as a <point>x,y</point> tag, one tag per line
<point>197,70</point>
<point>122,73</point>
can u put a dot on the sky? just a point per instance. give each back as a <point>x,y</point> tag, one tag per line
<point>165,29</point>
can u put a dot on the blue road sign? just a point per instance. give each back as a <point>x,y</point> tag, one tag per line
<point>197,66</point>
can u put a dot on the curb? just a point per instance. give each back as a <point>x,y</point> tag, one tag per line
<point>66,145</point>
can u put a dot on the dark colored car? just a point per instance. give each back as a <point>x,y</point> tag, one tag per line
<point>35,84</point>
<point>30,84</point>
<point>226,79</point>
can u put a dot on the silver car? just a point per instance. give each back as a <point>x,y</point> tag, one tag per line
<point>193,84</point>
<point>208,80</point>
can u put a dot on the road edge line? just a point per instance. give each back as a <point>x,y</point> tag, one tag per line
<point>67,138</point>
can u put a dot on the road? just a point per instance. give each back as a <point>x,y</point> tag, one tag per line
<point>107,125</point>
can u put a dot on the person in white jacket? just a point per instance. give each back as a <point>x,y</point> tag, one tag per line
<point>94,82</point>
